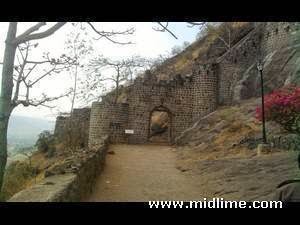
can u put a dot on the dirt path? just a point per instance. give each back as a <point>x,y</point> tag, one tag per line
<point>143,173</point>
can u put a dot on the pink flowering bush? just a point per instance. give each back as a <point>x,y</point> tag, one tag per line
<point>283,107</point>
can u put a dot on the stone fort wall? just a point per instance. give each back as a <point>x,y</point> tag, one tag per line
<point>108,119</point>
<point>74,130</point>
<point>237,70</point>
<point>188,97</point>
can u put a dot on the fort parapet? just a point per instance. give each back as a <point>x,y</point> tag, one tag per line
<point>187,96</point>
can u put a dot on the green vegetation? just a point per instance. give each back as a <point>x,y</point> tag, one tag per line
<point>46,143</point>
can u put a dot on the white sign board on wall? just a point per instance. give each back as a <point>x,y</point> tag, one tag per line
<point>129,131</point>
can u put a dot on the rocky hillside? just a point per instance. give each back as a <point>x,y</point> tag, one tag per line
<point>229,130</point>
<point>219,150</point>
<point>237,74</point>
<point>204,49</point>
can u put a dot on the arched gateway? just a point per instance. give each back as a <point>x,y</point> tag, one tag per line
<point>190,89</point>
<point>175,104</point>
<point>160,125</point>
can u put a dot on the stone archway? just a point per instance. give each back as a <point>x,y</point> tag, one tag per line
<point>160,125</point>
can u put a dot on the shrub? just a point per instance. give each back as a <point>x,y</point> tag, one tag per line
<point>283,107</point>
<point>46,143</point>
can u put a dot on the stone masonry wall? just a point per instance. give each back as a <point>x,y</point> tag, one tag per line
<point>276,35</point>
<point>148,94</point>
<point>220,80</point>
<point>69,186</point>
<point>234,64</point>
<point>108,119</point>
<point>205,92</point>
<point>238,77</point>
<point>74,129</point>
<point>60,125</point>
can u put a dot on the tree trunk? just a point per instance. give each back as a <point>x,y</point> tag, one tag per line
<point>117,85</point>
<point>117,93</point>
<point>6,93</point>
<point>3,148</point>
<point>75,87</point>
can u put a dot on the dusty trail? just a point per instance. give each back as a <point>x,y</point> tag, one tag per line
<point>143,173</point>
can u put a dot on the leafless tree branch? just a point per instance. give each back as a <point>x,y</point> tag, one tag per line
<point>42,101</point>
<point>103,69</point>
<point>25,67</point>
<point>200,24</point>
<point>108,35</point>
<point>164,28</point>
<point>19,79</point>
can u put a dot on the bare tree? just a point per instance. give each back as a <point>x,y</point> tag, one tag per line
<point>78,47</point>
<point>179,48</point>
<point>176,50</point>
<point>223,32</point>
<point>14,75</point>
<point>27,74</point>
<point>102,70</point>
<point>136,65</point>
<point>164,28</point>
<point>198,24</point>
<point>159,60</point>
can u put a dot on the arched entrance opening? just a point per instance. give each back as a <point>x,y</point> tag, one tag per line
<point>160,125</point>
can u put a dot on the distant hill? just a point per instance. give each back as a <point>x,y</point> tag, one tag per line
<point>23,131</point>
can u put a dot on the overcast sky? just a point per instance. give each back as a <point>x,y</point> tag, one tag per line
<point>148,43</point>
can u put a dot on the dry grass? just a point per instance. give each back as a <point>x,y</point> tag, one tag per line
<point>200,48</point>
<point>207,142</point>
<point>224,144</point>
<point>18,176</point>
<point>21,175</point>
<point>228,114</point>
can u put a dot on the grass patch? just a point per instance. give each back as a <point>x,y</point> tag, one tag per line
<point>229,114</point>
